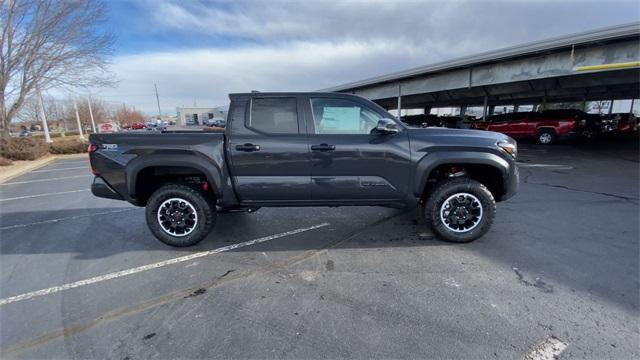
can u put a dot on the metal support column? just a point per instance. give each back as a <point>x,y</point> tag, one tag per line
<point>399,100</point>
<point>463,109</point>
<point>484,107</point>
<point>610,106</point>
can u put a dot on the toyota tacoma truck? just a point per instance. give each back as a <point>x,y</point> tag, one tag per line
<point>306,149</point>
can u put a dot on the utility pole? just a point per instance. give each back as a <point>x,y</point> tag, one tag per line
<point>43,117</point>
<point>75,107</point>
<point>158,100</point>
<point>93,122</point>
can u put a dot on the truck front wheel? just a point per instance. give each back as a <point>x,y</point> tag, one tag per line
<point>460,210</point>
<point>179,215</point>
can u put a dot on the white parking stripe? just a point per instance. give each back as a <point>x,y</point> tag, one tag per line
<point>555,166</point>
<point>45,180</point>
<point>63,219</point>
<point>70,168</point>
<point>118,274</point>
<point>549,349</point>
<point>45,194</point>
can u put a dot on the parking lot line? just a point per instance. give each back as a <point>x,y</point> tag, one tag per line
<point>45,180</point>
<point>127,272</point>
<point>45,194</point>
<point>555,166</point>
<point>62,169</point>
<point>549,349</point>
<point>64,219</point>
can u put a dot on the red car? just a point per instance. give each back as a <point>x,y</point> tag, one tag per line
<point>138,126</point>
<point>546,127</point>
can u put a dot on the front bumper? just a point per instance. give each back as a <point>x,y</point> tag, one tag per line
<point>100,188</point>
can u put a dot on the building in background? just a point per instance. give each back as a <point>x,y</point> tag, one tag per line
<point>187,116</point>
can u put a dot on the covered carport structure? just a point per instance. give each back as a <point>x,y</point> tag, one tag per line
<point>597,65</point>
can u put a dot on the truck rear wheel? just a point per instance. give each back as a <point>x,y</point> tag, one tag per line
<point>179,215</point>
<point>460,210</point>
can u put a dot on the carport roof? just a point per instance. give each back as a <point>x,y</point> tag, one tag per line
<point>599,36</point>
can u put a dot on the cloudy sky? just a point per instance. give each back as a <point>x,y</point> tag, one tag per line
<point>198,51</point>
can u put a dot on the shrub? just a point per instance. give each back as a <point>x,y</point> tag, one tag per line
<point>5,161</point>
<point>68,147</point>
<point>23,148</point>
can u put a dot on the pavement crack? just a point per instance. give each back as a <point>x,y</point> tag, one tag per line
<point>564,187</point>
<point>197,292</point>
<point>226,273</point>
<point>537,283</point>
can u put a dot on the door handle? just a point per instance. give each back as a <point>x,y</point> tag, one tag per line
<point>248,147</point>
<point>323,147</point>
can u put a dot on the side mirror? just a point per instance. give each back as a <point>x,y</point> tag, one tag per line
<point>387,127</point>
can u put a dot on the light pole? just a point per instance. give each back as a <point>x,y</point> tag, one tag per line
<point>75,107</point>
<point>158,101</point>
<point>93,122</point>
<point>43,117</point>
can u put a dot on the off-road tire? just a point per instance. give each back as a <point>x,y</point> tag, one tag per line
<point>205,211</point>
<point>546,137</point>
<point>443,191</point>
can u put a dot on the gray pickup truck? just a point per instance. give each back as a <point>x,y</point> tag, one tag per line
<point>306,149</point>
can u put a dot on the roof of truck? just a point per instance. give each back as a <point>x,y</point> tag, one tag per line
<point>298,93</point>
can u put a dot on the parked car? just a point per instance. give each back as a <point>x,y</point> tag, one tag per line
<point>218,122</point>
<point>546,127</point>
<point>421,120</point>
<point>306,149</point>
<point>156,126</point>
<point>24,133</point>
<point>622,123</point>
<point>430,120</point>
<point>138,126</point>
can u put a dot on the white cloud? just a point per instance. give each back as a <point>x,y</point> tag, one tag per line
<point>208,75</point>
<point>306,45</point>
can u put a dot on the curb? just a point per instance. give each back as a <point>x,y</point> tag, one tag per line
<point>21,169</point>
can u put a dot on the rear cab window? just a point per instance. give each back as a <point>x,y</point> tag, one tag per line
<point>274,115</point>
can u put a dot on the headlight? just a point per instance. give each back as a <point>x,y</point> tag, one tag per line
<point>508,147</point>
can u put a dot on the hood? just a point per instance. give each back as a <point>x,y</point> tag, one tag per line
<point>459,135</point>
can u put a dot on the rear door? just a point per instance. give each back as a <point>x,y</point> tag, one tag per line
<point>268,150</point>
<point>517,124</point>
<point>349,163</point>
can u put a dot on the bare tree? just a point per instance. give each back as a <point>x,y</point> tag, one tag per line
<point>30,109</point>
<point>100,111</point>
<point>49,43</point>
<point>127,116</point>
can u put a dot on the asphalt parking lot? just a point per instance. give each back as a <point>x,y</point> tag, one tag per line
<point>560,263</point>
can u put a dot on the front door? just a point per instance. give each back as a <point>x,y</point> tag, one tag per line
<point>270,160</point>
<point>349,164</point>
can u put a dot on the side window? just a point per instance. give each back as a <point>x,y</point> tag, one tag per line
<point>517,117</point>
<point>339,116</point>
<point>497,119</point>
<point>274,115</point>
